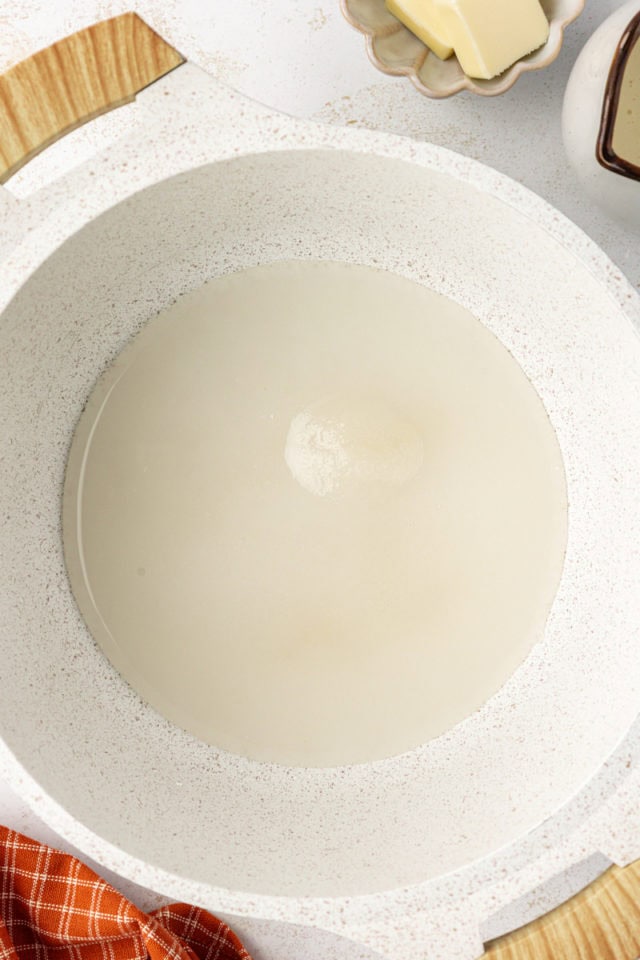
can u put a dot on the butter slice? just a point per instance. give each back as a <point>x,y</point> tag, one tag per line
<point>489,35</point>
<point>424,20</point>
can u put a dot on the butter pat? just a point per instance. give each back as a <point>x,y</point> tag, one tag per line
<point>489,35</point>
<point>424,20</point>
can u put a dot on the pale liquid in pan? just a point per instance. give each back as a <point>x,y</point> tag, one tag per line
<point>315,513</point>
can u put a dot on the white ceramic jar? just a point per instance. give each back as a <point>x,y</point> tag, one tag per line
<point>582,118</point>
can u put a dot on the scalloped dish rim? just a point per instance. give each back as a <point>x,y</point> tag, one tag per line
<point>485,88</point>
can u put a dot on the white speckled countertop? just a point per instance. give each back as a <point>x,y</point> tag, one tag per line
<point>304,59</point>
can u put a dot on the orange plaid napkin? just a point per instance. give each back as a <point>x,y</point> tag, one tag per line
<point>53,907</point>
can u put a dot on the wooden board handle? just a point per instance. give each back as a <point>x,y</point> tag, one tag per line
<point>74,80</point>
<point>600,923</point>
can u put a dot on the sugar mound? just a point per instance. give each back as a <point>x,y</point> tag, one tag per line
<point>352,444</point>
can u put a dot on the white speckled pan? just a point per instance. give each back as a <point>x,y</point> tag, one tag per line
<point>408,855</point>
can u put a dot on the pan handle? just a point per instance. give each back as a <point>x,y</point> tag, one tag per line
<point>65,85</point>
<point>602,922</point>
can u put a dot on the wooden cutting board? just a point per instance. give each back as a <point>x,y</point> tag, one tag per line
<point>100,68</point>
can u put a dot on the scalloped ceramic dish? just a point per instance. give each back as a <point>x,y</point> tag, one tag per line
<point>393,49</point>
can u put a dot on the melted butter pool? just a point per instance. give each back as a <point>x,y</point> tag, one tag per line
<point>315,513</point>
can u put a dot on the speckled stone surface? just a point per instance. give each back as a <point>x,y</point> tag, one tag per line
<point>408,856</point>
<point>450,916</point>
